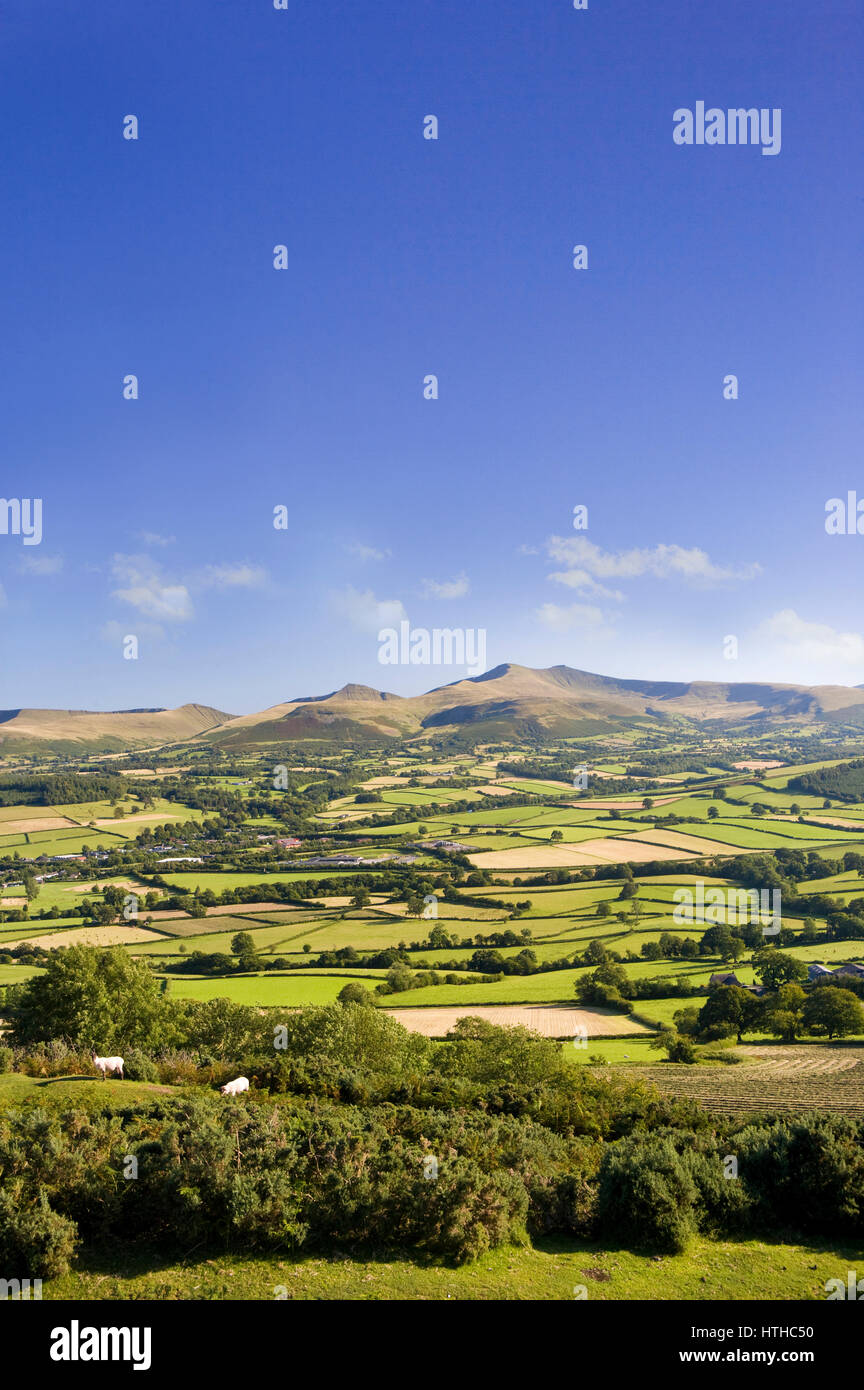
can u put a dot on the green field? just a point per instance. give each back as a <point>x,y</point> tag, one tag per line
<point>270,990</point>
<point>17,974</point>
<point>267,939</point>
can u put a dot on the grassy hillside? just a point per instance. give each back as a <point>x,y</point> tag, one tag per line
<point>551,1271</point>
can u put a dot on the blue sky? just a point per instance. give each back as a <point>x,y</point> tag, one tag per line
<point>304,387</point>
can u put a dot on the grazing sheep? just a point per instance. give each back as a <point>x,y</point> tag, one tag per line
<point>233,1088</point>
<point>106,1064</point>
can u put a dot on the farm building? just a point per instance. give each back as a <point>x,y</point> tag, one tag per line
<point>720,978</point>
<point>820,975</point>
<point>818,972</point>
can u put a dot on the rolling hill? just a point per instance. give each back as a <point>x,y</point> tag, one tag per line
<point>76,731</point>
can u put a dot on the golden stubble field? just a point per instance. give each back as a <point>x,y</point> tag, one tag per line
<point>550,1020</point>
<point>112,935</point>
<point>599,851</point>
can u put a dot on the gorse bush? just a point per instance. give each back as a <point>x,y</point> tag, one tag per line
<point>252,1178</point>
<point>54,1058</point>
<point>137,1066</point>
<point>805,1173</point>
<point>35,1241</point>
<point>646,1195</point>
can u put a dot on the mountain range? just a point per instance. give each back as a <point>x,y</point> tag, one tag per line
<point>509,702</point>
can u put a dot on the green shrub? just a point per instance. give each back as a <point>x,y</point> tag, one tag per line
<point>354,993</point>
<point>35,1242</point>
<point>54,1058</point>
<point>646,1196</point>
<point>137,1066</point>
<point>681,1049</point>
<point>467,1212</point>
<point>178,1069</point>
<point>7,1060</point>
<point>724,1203</point>
<point>806,1174</point>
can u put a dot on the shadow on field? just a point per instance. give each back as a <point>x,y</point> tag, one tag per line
<point>55,1080</point>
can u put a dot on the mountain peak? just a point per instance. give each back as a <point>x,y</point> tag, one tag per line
<point>505,669</point>
<point>361,692</point>
<point>346,692</point>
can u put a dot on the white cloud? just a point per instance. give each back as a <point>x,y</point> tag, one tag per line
<point>582,582</point>
<point>452,588</point>
<point>239,576</point>
<point>41,564</point>
<point>145,586</point>
<point>586,563</point>
<point>576,615</point>
<point>146,590</point>
<point>368,613</point>
<point>367,552</point>
<point>812,643</point>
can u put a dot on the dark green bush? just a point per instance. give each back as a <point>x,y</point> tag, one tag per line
<point>646,1197</point>
<point>137,1066</point>
<point>724,1205</point>
<point>35,1242</point>
<point>805,1173</point>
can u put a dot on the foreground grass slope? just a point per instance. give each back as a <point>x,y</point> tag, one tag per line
<point>551,1271</point>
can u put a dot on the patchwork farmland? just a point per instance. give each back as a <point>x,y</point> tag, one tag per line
<point>679,941</point>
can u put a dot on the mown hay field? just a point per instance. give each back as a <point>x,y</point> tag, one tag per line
<point>815,1077</point>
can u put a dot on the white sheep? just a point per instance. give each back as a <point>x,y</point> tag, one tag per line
<point>233,1088</point>
<point>108,1064</point>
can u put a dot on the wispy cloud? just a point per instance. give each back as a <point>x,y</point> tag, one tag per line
<point>586,565</point>
<point>366,612</point>
<point>148,591</point>
<point>584,583</point>
<point>448,588</point>
<point>41,564</point>
<point>153,538</point>
<point>367,552</point>
<point>576,615</point>
<point>146,586</point>
<point>238,576</point>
